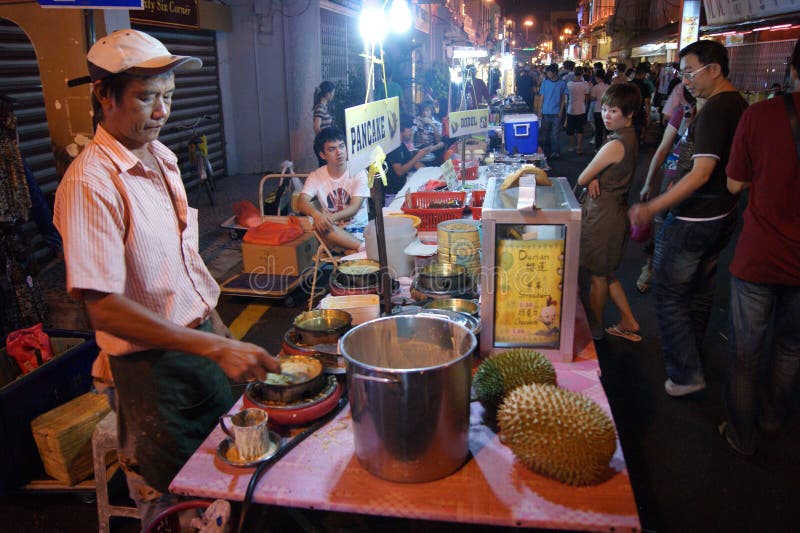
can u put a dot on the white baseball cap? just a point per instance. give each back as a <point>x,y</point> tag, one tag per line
<point>135,52</point>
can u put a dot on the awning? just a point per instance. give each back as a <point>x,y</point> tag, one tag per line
<point>662,35</point>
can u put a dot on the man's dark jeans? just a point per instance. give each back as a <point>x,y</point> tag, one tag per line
<point>753,393</point>
<point>684,272</point>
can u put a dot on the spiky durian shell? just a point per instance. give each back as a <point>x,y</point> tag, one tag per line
<point>502,373</point>
<point>558,433</point>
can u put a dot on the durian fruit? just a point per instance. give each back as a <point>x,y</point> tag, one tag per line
<point>501,373</point>
<point>558,433</point>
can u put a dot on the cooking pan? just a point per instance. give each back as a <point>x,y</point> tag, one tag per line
<point>322,326</point>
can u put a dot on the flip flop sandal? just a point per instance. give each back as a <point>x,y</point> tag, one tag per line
<point>624,333</point>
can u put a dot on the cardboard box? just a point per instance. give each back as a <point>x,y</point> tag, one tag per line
<point>64,437</point>
<point>288,259</point>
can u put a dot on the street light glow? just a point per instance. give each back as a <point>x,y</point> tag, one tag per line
<point>400,16</point>
<point>372,24</point>
<point>528,23</point>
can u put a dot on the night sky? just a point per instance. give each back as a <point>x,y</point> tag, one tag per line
<point>541,8</point>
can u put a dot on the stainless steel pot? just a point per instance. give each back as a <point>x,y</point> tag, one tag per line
<point>442,277</point>
<point>409,385</point>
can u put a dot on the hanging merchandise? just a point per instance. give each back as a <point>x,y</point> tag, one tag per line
<point>15,201</point>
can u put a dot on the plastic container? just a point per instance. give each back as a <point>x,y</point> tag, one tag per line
<point>521,133</point>
<point>399,233</point>
<point>476,204</point>
<point>417,204</point>
<point>64,377</point>
<point>471,172</point>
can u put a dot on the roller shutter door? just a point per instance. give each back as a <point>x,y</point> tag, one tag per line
<point>756,66</point>
<point>341,45</point>
<point>196,94</point>
<point>19,79</point>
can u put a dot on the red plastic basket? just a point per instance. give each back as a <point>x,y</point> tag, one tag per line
<point>471,169</point>
<point>476,204</point>
<point>417,204</point>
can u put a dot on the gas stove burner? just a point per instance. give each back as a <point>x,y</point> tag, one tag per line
<point>420,294</point>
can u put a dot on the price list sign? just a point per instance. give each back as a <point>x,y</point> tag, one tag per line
<point>529,281</point>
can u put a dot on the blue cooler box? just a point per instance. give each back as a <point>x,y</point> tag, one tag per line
<point>521,133</point>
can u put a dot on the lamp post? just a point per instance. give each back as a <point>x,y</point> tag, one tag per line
<point>528,23</point>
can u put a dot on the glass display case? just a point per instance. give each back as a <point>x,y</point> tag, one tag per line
<point>529,282</point>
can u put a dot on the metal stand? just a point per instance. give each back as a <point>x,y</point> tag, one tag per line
<point>380,236</point>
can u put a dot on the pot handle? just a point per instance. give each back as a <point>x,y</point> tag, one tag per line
<point>376,379</point>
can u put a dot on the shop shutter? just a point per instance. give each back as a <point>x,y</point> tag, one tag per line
<point>341,45</point>
<point>196,94</point>
<point>19,79</point>
<point>756,66</point>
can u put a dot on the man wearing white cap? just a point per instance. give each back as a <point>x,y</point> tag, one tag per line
<point>132,254</point>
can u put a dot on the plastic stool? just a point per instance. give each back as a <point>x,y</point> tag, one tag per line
<point>104,441</point>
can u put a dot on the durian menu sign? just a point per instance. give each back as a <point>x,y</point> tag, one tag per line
<point>529,280</point>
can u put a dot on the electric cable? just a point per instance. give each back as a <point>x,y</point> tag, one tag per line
<point>286,448</point>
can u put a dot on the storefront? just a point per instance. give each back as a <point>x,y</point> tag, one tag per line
<point>759,41</point>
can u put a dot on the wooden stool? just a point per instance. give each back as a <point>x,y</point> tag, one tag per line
<point>104,441</point>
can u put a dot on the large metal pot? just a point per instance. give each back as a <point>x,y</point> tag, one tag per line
<point>409,385</point>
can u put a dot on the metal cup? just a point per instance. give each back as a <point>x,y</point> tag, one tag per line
<point>250,432</point>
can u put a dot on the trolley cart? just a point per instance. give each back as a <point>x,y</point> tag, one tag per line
<point>272,286</point>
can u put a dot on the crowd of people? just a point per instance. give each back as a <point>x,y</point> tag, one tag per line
<point>713,147</point>
<point>567,98</point>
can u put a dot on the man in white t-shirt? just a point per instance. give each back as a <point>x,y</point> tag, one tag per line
<point>341,195</point>
<point>576,112</point>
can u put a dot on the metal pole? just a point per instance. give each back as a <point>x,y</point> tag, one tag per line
<point>380,237</point>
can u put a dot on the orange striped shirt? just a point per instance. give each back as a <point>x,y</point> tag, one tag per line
<point>128,231</point>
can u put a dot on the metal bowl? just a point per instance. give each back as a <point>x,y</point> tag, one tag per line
<point>307,380</point>
<point>358,273</point>
<point>459,305</point>
<point>322,326</point>
<point>442,277</point>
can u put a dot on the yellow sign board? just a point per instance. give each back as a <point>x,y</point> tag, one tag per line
<point>372,125</point>
<point>468,122</point>
<point>529,279</point>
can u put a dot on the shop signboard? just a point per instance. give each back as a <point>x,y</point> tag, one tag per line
<point>468,122</point>
<point>422,18</point>
<point>92,4</point>
<point>170,13</point>
<point>369,126</point>
<point>728,11</point>
<point>690,23</point>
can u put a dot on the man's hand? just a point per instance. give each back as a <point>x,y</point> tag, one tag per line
<point>242,361</point>
<point>594,188</point>
<point>422,152</point>
<point>640,214</point>
<point>322,222</point>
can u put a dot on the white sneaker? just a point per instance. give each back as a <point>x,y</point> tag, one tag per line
<point>676,389</point>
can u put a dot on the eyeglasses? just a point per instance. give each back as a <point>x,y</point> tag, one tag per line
<point>690,75</point>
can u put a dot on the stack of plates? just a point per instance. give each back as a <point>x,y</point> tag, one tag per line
<point>362,307</point>
<point>460,244</point>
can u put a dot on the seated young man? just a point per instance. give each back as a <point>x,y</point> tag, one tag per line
<point>340,193</point>
<point>403,159</point>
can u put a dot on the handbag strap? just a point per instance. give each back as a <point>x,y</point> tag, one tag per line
<point>794,123</point>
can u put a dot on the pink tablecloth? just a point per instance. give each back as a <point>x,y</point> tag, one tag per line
<point>491,488</point>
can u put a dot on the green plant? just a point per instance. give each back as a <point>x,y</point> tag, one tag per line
<point>437,77</point>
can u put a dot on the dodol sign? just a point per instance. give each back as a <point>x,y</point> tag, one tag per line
<point>468,122</point>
